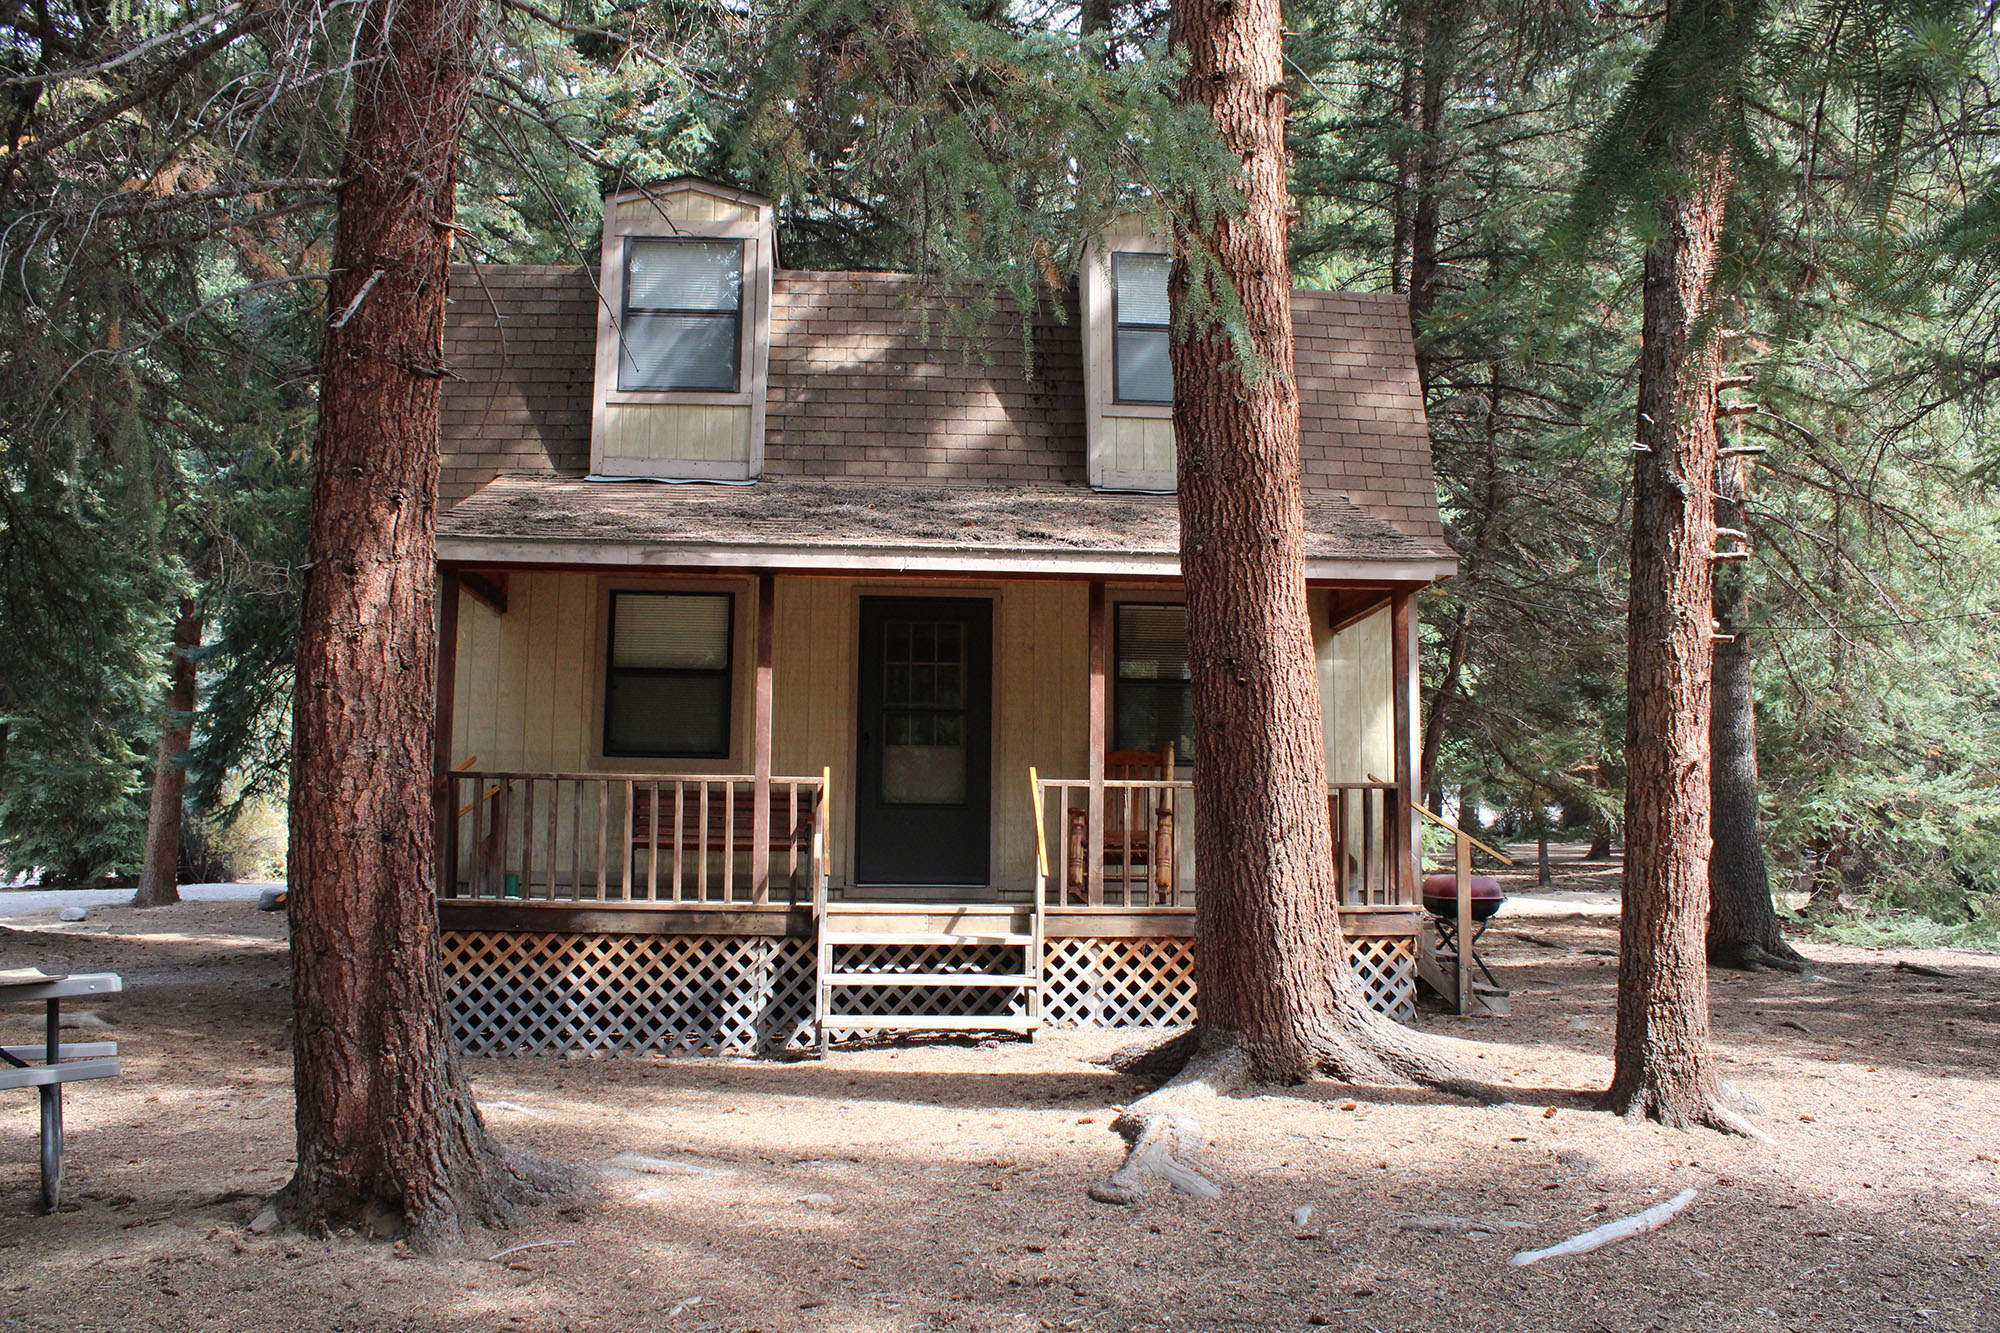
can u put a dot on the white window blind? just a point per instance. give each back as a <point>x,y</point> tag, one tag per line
<point>682,322</point>
<point>1153,702</point>
<point>1142,370</point>
<point>667,680</point>
<point>654,632</point>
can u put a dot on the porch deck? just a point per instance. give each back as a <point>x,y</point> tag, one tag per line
<point>634,912</point>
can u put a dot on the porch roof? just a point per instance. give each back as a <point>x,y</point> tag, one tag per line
<point>841,526</point>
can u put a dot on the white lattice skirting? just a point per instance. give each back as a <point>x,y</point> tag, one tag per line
<point>546,993</point>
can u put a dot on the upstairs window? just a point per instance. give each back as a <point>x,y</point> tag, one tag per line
<point>683,316</point>
<point>666,692</point>
<point>1154,702</point>
<point>1141,370</point>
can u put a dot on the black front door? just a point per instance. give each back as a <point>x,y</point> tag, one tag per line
<point>924,793</point>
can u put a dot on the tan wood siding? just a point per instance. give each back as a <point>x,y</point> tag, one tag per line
<point>523,700</point>
<point>1041,716</point>
<point>657,433</point>
<point>685,204</point>
<point>1139,447</point>
<point>1357,696</point>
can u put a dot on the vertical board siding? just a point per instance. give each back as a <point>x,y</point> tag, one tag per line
<point>1357,696</point>
<point>685,204</point>
<point>812,692</point>
<point>702,434</point>
<point>524,694</point>
<point>1041,677</point>
<point>1134,445</point>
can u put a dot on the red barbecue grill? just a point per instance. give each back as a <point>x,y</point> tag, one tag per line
<point>1441,901</point>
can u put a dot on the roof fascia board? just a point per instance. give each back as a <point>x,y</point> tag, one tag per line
<point>885,559</point>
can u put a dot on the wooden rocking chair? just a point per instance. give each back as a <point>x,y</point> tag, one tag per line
<point>1142,852</point>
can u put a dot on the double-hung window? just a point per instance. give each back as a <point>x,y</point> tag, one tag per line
<point>1141,370</point>
<point>1154,703</point>
<point>683,315</point>
<point>667,680</point>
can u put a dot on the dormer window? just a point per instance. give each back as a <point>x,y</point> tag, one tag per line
<point>683,315</point>
<point>683,333</point>
<point>1143,371</point>
<point>1128,382</point>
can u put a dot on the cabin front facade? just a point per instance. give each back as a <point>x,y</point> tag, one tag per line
<point>805,676</point>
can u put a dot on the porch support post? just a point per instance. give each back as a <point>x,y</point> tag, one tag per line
<point>1093,850</point>
<point>760,744</point>
<point>1403,675</point>
<point>444,830</point>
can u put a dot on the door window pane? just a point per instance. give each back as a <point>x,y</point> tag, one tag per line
<point>924,754</point>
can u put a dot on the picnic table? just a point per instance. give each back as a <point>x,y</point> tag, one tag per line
<point>47,1065</point>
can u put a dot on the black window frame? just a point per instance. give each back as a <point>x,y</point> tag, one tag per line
<point>1118,322</point>
<point>1183,753</point>
<point>627,310</point>
<point>727,673</point>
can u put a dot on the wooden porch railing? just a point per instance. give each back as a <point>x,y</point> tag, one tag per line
<point>1145,856</point>
<point>631,839</point>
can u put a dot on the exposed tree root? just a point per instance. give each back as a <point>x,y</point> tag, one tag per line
<point>1749,956</point>
<point>491,1194</point>
<point>1724,1110</point>
<point>1165,1140</point>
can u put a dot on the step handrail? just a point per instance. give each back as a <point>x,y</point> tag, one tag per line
<point>1447,825</point>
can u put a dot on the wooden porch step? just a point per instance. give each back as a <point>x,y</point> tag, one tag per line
<point>930,979</point>
<point>924,937</point>
<point>934,1023</point>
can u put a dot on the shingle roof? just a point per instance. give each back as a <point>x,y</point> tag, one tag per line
<point>832,520</point>
<point>858,393</point>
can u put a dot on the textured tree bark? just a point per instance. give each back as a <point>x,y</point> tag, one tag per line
<point>159,876</point>
<point>388,1137</point>
<point>1663,1067</point>
<point>1743,929</point>
<point>1270,964</point>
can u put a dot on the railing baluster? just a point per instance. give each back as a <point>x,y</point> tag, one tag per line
<point>792,840</point>
<point>576,839</point>
<point>653,841</point>
<point>701,848</point>
<point>527,838</point>
<point>603,788</point>
<point>680,817</point>
<point>625,847</point>
<point>728,842</point>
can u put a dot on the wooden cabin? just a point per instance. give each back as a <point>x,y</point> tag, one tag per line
<point>810,670</point>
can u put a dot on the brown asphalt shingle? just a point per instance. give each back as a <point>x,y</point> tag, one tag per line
<point>853,514</point>
<point>858,393</point>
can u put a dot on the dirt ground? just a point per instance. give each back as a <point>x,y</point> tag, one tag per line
<point>941,1185</point>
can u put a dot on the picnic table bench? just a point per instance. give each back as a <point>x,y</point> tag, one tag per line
<point>50,1063</point>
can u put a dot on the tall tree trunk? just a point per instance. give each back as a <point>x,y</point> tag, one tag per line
<point>1270,963</point>
<point>1743,929</point>
<point>1663,1068</point>
<point>388,1136</point>
<point>1493,494</point>
<point>159,878</point>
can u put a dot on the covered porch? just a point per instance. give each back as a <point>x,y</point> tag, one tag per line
<point>744,799</point>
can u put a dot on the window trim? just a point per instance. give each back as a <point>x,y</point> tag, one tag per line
<point>626,310</point>
<point>1118,322</point>
<point>727,673</point>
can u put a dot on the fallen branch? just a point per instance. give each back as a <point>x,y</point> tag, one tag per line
<point>1436,1225</point>
<point>533,1245</point>
<point>1921,969</point>
<point>1611,1232</point>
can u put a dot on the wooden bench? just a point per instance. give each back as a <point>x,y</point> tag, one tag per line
<point>727,825</point>
<point>48,1064</point>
